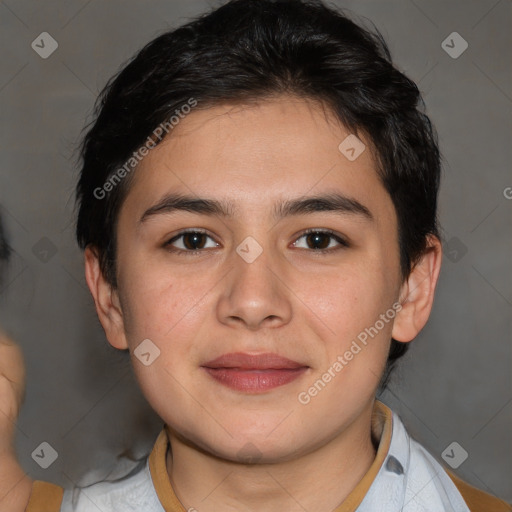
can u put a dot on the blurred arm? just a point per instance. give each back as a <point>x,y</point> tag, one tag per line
<point>15,484</point>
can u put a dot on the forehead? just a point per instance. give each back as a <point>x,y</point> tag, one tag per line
<point>286,147</point>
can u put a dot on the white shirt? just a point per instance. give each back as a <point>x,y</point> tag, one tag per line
<point>409,480</point>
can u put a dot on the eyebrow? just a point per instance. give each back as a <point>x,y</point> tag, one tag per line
<point>333,202</point>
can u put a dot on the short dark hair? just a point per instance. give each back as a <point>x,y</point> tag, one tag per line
<point>247,50</point>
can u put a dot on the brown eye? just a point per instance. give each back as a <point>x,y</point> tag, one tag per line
<point>321,241</point>
<point>318,240</point>
<point>194,240</point>
<point>189,241</point>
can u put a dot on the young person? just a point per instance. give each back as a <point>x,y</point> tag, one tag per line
<point>257,206</point>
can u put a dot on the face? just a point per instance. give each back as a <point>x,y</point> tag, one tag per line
<point>247,309</point>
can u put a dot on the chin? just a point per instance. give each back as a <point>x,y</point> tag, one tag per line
<point>255,448</point>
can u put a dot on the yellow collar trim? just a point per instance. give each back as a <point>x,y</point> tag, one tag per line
<point>381,427</point>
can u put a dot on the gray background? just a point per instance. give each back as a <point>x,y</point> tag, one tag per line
<point>454,385</point>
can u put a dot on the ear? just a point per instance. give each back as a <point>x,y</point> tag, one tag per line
<point>106,300</point>
<point>417,293</point>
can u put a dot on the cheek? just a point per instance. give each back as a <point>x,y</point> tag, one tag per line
<point>156,298</point>
<point>348,299</point>
<point>170,311</point>
<point>356,346</point>
<point>167,392</point>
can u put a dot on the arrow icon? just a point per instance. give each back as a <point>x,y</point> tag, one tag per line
<point>451,455</point>
<point>454,45</point>
<point>44,45</point>
<point>454,455</point>
<point>44,455</point>
<point>44,249</point>
<point>249,252</point>
<point>351,147</point>
<point>454,249</point>
<point>147,352</point>
<point>40,456</point>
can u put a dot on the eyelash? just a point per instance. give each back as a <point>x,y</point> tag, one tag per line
<point>343,243</point>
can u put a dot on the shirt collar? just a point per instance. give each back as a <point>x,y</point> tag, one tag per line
<point>381,430</point>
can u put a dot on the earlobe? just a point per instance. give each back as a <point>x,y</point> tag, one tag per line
<point>417,293</point>
<point>106,301</point>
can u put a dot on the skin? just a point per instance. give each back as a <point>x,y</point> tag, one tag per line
<point>291,300</point>
<point>15,485</point>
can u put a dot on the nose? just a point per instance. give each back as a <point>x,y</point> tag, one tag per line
<point>255,294</point>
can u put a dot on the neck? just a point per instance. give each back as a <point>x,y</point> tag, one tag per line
<point>320,480</point>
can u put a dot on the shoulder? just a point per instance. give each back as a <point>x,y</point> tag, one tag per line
<point>45,496</point>
<point>133,492</point>
<point>430,485</point>
<point>477,500</point>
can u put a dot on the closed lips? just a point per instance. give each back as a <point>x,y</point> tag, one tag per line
<point>243,361</point>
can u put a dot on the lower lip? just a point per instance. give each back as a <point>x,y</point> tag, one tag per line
<point>254,380</point>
